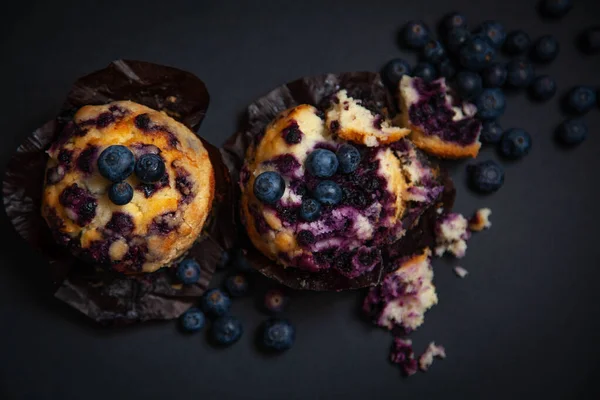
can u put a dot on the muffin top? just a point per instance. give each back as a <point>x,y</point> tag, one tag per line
<point>315,198</point>
<point>85,202</point>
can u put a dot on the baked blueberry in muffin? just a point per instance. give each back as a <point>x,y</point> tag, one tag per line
<point>441,123</point>
<point>127,187</point>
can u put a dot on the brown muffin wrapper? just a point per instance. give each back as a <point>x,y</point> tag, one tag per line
<point>105,296</point>
<point>316,90</point>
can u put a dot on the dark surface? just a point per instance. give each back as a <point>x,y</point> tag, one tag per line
<point>523,324</point>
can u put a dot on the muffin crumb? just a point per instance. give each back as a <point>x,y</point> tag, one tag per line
<point>460,272</point>
<point>432,351</point>
<point>480,220</point>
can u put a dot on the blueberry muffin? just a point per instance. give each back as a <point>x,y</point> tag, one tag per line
<point>127,187</point>
<point>328,189</point>
<point>441,124</point>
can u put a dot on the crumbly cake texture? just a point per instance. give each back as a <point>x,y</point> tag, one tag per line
<point>402,353</point>
<point>480,220</point>
<point>432,351</point>
<point>163,219</point>
<point>441,124</point>
<point>460,272</point>
<point>452,233</point>
<point>390,184</point>
<point>404,295</point>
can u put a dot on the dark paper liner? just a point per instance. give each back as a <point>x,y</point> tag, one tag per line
<point>316,90</point>
<point>105,296</point>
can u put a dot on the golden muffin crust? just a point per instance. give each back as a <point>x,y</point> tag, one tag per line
<point>162,220</point>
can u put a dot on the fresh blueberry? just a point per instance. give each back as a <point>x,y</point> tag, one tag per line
<point>188,271</point>
<point>517,43</point>
<point>236,285</point>
<point>491,132</point>
<point>545,49</point>
<point>348,158</point>
<point>590,40</point>
<point>328,192</point>
<point>456,38</point>
<point>192,320</point>
<point>215,302</point>
<point>490,103</point>
<point>394,70</point>
<point>150,168</point>
<point>239,260</point>
<point>275,301</point>
<point>425,71</point>
<point>520,73</point>
<point>120,193</point>
<point>494,75</point>
<point>310,210</point>
<point>226,330</point>
<point>278,334</point>
<point>572,131</point>
<point>453,21</point>
<point>543,88</point>
<point>416,34</point>
<point>116,163</point>
<point>493,32</point>
<point>269,187</point>
<point>581,99</point>
<point>515,143</point>
<point>468,84</point>
<point>322,163</point>
<point>434,52</point>
<point>486,176</point>
<point>476,54</point>
<point>224,260</point>
<point>556,8</point>
<point>447,69</point>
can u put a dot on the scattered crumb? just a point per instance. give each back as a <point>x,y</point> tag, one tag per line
<point>461,272</point>
<point>481,220</point>
<point>452,234</point>
<point>440,210</point>
<point>402,354</point>
<point>426,359</point>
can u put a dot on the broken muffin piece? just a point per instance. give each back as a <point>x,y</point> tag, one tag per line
<point>452,233</point>
<point>402,354</point>
<point>481,220</point>
<point>432,351</point>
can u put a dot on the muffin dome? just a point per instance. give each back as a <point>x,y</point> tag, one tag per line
<point>378,198</point>
<point>162,219</point>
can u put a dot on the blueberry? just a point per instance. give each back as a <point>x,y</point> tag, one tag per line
<point>425,71</point>
<point>236,285</point>
<point>515,143</point>
<point>328,192</point>
<point>394,70</point>
<point>322,163</point>
<point>590,40</point>
<point>224,260</point>
<point>490,103</point>
<point>215,302</point>
<point>278,334</point>
<point>494,75</point>
<point>239,260</point>
<point>543,88</point>
<point>226,330</point>
<point>453,21</point>
<point>520,73</point>
<point>476,54</point>
<point>434,52</point>
<point>581,99</point>
<point>556,8</point>
<point>491,132</point>
<point>416,34</point>
<point>275,301</point>
<point>447,69</point>
<point>348,158</point>
<point>310,210</point>
<point>572,131</point>
<point>517,43</point>
<point>116,163</point>
<point>545,49</point>
<point>120,193</point>
<point>269,187</point>
<point>493,32</point>
<point>468,84</point>
<point>188,271</point>
<point>456,38</point>
<point>192,320</point>
<point>486,176</point>
<point>150,168</point>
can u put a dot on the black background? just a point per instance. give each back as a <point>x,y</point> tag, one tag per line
<point>523,324</point>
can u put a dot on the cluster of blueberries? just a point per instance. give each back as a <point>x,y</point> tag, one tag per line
<point>117,162</point>
<point>277,333</point>
<point>321,163</point>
